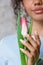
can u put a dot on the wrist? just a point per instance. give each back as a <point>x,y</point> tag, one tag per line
<point>30,63</point>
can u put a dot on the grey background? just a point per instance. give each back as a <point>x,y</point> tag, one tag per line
<point>7,19</point>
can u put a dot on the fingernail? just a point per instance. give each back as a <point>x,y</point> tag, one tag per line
<point>36,32</point>
<point>27,35</point>
<point>33,37</point>
<point>21,49</point>
<point>21,40</point>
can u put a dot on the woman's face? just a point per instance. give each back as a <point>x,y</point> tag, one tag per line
<point>34,9</point>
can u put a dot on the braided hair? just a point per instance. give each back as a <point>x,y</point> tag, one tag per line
<point>16,5</point>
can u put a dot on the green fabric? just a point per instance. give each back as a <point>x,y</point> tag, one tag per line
<point>39,59</point>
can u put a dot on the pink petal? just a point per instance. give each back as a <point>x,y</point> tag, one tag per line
<point>23,20</point>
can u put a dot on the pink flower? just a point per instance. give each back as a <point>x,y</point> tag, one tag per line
<point>24,26</point>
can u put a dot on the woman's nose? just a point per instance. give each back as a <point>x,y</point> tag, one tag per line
<point>37,2</point>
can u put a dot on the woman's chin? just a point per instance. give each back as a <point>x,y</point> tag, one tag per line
<point>38,17</point>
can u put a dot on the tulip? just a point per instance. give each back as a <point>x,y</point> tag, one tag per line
<point>22,30</point>
<point>24,25</point>
<point>19,36</point>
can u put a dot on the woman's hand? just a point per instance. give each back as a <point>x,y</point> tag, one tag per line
<point>33,48</point>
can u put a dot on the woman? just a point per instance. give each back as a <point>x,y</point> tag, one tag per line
<point>9,53</point>
<point>34,8</point>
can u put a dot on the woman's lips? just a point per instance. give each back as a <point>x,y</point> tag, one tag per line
<point>38,11</point>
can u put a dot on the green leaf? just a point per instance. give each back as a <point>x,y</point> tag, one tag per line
<point>38,60</point>
<point>19,36</point>
<point>30,28</point>
<point>23,57</point>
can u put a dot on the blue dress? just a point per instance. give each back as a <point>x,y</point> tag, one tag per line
<point>9,50</point>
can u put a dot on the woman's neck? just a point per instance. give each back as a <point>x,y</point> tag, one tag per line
<point>37,26</point>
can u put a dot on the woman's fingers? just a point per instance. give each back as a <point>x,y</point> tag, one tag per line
<point>30,48</point>
<point>33,47</point>
<point>26,53</point>
<point>37,38</point>
<point>35,43</point>
<point>32,42</point>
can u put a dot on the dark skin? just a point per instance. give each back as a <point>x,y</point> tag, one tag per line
<point>33,51</point>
